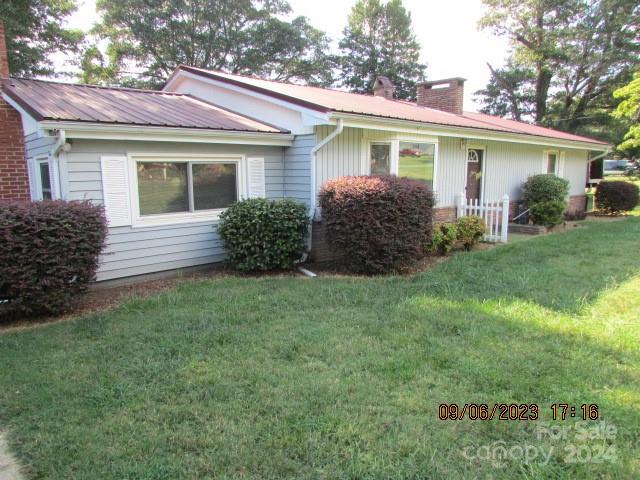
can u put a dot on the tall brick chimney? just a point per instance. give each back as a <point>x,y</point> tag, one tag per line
<point>14,183</point>
<point>383,87</point>
<point>446,95</point>
<point>4,58</point>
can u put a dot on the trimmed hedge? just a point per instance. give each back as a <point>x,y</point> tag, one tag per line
<point>545,187</point>
<point>545,196</point>
<point>50,253</point>
<point>261,234</point>
<point>379,223</point>
<point>616,196</point>
<point>547,213</point>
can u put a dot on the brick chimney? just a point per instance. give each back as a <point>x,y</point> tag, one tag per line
<point>446,95</point>
<point>383,87</point>
<point>14,184</point>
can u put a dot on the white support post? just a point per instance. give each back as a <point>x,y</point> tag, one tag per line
<point>460,201</point>
<point>504,233</point>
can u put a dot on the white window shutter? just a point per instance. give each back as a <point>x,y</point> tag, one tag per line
<point>115,190</point>
<point>255,167</point>
<point>31,171</point>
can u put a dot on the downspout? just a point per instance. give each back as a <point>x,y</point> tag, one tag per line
<point>61,142</point>
<point>312,195</point>
<point>314,150</point>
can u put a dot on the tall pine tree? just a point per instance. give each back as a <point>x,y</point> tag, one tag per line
<point>379,40</point>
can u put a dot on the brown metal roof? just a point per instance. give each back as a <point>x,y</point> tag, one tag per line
<point>46,100</point>
<point>329,100</point>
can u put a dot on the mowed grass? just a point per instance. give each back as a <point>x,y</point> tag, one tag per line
<point>342,377</point>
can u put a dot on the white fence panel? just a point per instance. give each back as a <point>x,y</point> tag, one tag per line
<point>495,215</point>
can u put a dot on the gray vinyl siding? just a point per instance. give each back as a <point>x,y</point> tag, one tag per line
<point>140,250</point>
<point>37,146</point>
<point>297,168</point>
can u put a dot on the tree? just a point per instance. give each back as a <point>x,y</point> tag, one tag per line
<point>34,31</point>
<point>571,54</point>
<point>148,39</point>
<point>379,40</point>
<point>629,110</point>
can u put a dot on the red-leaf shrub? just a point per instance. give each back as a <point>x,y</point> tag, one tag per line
<point>616,196</point>
<point>379,223</point>
<point>49,254</point>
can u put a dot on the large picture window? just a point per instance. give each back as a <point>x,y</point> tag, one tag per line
<point>416,161</point>
<point>183,187</point>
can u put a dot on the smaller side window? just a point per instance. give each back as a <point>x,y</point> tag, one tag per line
<point>43,179</point>
<point>552,162</point>
<point>380,159</point>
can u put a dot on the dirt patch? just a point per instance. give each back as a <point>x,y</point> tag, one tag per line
<point>9,468</point>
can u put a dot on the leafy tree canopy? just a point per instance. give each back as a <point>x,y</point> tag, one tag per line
<point>567,58</point>
<point>34,31</point>
<point>379,40</point>
<point>148,39</point>
<point>629,110</point>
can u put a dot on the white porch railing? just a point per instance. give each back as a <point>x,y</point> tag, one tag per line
<point>494,214</point>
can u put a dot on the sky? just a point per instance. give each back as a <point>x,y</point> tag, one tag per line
<point>452,45</point>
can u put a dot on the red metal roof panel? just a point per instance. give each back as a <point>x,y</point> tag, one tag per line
<point>126,106</point>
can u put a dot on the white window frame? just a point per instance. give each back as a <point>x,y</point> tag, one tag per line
<point>37,161</point>
<point>394,158</point>
<point>392,163</point>
<point>183,217</point>
<point>419,140</point>
<point>545,162</point>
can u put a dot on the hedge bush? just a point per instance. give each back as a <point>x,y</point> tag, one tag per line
<point>444,238</point>
<point>547,213</point>
<point>545,188</point>
<point>545,196</point>
<point>380,223</point>
<point>470,230</point>
<point>616,196</point>
<point>261,234</point>
<point>49,254</point>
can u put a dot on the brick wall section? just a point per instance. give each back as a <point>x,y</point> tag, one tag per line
<point>320,249</point>
<point>577,204</point>
<point>449,99</point>
<point>444,214</point>
<point>4,57</point>
<point>13,167</point>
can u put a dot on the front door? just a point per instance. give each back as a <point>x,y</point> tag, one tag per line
<point>475,157</point>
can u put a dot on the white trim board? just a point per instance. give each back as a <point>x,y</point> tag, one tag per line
<point>102,131</point>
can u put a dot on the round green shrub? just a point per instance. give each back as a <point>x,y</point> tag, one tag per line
<point>616,196</point>
<point>260,234</point>
<point>545,188</point>
<point>470,230</point>
<point>444,238</point>
<point>547,213</point>
<point>378,223</point>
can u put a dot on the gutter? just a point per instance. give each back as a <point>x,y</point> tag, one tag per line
<point>314,150</point>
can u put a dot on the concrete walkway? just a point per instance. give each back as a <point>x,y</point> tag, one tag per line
<point>9,469</point>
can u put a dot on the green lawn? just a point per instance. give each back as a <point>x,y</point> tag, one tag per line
<point>342,377</point>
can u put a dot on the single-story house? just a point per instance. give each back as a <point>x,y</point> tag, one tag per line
<point>166,163</point>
